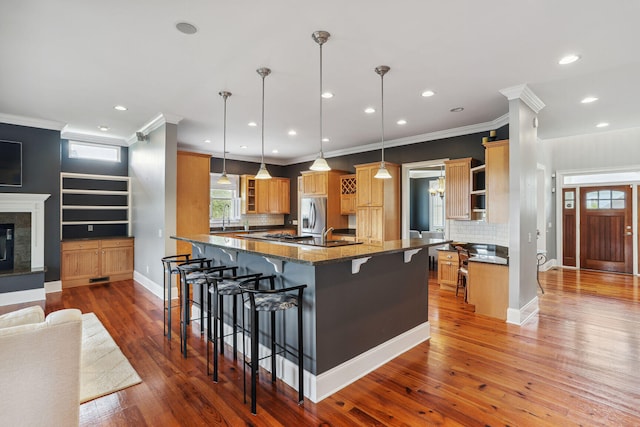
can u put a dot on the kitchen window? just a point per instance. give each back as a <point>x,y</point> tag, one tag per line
<point>225,200</point>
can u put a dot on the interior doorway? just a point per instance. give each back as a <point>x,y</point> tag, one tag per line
<point>606,236</point>
<point>429,170</point>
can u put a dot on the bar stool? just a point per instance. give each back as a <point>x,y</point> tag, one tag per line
<point>271,300</point>
<point>192,273</point>
<point>220,286</point>
<point>170,268</point>
<point>463,270</point>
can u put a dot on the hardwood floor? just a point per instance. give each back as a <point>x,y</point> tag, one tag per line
<point>578,363</point>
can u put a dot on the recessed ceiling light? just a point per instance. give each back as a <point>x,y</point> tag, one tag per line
<point>292,132</point>
<point>244,147</point>
<point>589,99</point>
<point>401,122</point>
<point>274,151</point>
<point>252,124</point>
<point>103,128</point>
<point>207,141</point>
<point>428,93</point>
<point>120,108</point>
<point>186,28</point>
<point>569,59</point>
<point>370,110</point>
<point>457,109</point>
<point>327,95</point>
<point>602,125</point>
<point>325,140</point>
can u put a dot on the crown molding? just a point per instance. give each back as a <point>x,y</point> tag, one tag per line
<point>218,155</point>
<point>527,96</point>
<point>155,123</point>
<point>31,122</point>
<point>425,137</point>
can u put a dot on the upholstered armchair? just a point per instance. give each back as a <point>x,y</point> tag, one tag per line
<point>40,367</point>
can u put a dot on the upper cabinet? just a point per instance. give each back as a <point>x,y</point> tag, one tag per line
<point>348,194</point>
<point>497,180</point>
<point>315,183</point>
<point>458,188</point>
<point>377,204</point>
<point>192,196</point>
<point>264,196</point>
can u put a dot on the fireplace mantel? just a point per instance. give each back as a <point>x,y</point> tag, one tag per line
<point>34,204</point>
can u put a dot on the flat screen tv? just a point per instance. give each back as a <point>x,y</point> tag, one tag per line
<point>10,163</point>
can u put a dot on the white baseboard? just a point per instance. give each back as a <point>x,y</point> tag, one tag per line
<point>20,297</point>
<point>55,286</point>
<point>152,286</point>
<point>321,386</point>
<point>548,265</point>
<point>524,314</point>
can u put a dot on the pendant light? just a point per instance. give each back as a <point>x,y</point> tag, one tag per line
<point>382,173</point>
<point>224,180</point>
<point>441,185</point>
<point>263,173</point>
<point>320,164</point>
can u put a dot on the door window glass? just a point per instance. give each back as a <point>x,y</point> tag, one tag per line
<point>605,199</point>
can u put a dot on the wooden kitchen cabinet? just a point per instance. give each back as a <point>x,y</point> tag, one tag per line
<point>497,181</point>
<point>272,196</point>
<point>377,204</point>
<point>488,289</point>
<point>448,270</point>
<point>458,188</point>
<point>264,196</point>
<point>315,183</point>
<point>193,196</point>
<point>348,188</point>
<point>85,262</point>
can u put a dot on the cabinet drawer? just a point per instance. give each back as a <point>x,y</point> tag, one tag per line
<point>117,243</point>
<point>81,244</point>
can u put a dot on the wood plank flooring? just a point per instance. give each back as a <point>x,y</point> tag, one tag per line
<point>578,363</point>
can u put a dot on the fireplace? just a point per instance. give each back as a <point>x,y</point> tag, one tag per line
<point>6,246</point>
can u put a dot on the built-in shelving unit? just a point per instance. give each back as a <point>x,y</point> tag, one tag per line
<point>478,192</point>
<point>94,205</point>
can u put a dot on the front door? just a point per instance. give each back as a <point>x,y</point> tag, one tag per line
<point>606,236</point>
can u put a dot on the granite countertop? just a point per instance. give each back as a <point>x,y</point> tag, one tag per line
<point>304,254</point>
<point>252,229</point>
<point>79,239</point>
<point>482,252</point>
<point>344,232</point>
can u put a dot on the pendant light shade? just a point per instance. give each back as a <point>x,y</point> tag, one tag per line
<point>320,164</point>
<point>224,179</point>
<point>382,173</point>
<point>263,173</point>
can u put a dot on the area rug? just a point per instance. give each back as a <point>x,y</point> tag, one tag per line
<point>103,367</point>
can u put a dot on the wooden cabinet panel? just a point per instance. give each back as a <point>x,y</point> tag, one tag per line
<point>447,270</point>
<point>377,204</point>
<point>248,194</point>
<point>458,188</point>
<point>488,289</point>
<point>315,183</point>
<point>348,191</point>
<point>96,261</point>
<point>192,196</point>
<point>497,181</point>
<point>272,196</point>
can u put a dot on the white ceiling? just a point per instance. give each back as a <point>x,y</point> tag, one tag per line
<point>71,61</point>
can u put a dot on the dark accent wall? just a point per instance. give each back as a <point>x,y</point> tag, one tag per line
<point>241,167</point>
<point>419,204</point>
<point>40,174</point>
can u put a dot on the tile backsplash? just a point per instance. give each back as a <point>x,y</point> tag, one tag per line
<point>479,232</point>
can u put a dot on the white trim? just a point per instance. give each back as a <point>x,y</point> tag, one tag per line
<point>524,314</point>
<point>527,96</point>
<point>34,204</point>
<point>31,122</point>
<point>151,286</point>
<point>90,137</point>
<point>55,286</point>
<point>153,124</point>
<point>20,297</point>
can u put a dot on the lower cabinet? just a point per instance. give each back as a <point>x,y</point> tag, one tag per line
<point>84,262</point>
<point>448,270</point>
<point>488,289</point>
<point>370,222</point>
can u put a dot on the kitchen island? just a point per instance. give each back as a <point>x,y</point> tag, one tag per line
<point>364,304</point>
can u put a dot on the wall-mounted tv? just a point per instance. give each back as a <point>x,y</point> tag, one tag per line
<point>10,163</point>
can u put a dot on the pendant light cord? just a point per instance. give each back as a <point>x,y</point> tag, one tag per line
<point>263,118</point>
<point>224,138</point>
<point>382,113</point>
<point>321,153</point>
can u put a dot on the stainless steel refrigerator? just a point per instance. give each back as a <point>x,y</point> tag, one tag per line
<point>313,214</point>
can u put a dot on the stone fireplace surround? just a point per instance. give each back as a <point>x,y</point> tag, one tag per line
<point>34,205</point>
